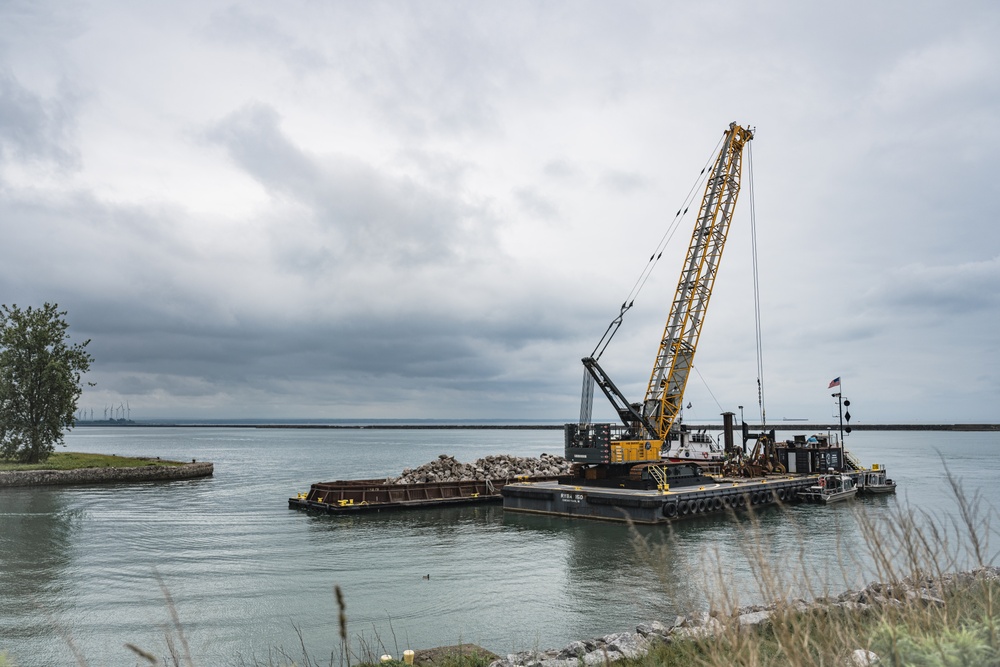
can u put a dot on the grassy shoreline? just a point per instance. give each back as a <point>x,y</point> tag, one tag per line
<point>78,461</point>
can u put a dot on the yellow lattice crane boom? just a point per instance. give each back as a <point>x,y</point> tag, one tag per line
<point>647,425</point>
<point>665,392</point>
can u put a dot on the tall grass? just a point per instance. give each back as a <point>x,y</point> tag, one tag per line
<point>914,611</point>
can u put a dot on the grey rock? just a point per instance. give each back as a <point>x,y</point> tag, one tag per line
<point>573,650</point>
<point>862,658</point>
<point>600,657</point>
<point>446,468</point>
<point>628,644</point>
<point>553,662</point>
<point>654,629</point>
<point>709,627</point>
<point>754,619</point>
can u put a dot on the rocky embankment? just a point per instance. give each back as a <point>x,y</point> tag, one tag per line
<point>447,469</point>
<point>108,475</point>
<point>617,646</point>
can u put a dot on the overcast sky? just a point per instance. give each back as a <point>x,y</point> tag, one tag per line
<point>433,209</point>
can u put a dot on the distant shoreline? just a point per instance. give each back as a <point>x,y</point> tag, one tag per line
<point>779,426</point>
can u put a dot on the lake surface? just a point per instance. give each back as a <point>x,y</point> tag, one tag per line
<point>82,565</point>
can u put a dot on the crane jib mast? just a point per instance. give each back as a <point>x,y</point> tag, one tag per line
<point>647,425</point>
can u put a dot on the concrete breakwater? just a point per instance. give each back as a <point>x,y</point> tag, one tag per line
<point>924,591</point>
<point>109,475</point>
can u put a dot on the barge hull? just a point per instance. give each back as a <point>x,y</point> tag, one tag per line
<point>372,495</point>
<point>652,506</point>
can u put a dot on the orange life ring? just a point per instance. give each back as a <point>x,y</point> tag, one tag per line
<point>822,482</point>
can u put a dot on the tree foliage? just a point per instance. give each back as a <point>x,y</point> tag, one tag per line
<point>40,375</point>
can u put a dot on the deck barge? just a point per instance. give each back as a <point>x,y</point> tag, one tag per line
<point>653,506</point>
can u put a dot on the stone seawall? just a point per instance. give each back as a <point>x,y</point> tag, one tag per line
<point>105,475</point>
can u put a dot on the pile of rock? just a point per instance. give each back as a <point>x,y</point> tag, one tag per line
<point>593,652</point>
<point>447,469</point>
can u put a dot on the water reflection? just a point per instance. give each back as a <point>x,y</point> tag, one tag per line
<point>36,549</point>
<point>786,551</point>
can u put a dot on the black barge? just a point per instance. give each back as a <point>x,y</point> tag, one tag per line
<point>373,495</point>
<point>652,506</point>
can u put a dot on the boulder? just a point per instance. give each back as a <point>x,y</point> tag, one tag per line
<point>754,619</point>
<point>862,658</point>
<point>447,469</point>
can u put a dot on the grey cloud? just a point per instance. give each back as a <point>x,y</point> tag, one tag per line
<point>33,128</point>
<point>623,182</point>
<point>561,170</point>
<point>262,32</point>
<point>343,209</point>
<point>963,289</point>
<point>536,204</point>
<point>434,68</point>
<point>371,278</point>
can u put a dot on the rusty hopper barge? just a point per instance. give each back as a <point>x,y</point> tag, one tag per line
<point>373,495</point>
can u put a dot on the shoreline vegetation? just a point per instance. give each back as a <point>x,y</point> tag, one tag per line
<point>64,468</point>
<point>77,460</point>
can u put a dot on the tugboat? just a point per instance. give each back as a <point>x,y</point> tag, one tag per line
<point>875,481</point>
<point>830,488</point>
<point>698,446</point>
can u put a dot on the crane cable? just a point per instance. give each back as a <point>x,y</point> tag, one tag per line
<point>711,393</point>
<point>756,290</point>
<point>647,270</point>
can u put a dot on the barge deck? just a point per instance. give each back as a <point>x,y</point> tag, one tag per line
<point>653,506</point>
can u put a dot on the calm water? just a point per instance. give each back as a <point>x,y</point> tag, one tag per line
<point>246,573</point>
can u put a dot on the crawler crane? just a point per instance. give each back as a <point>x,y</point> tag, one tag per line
<point>633,449</point>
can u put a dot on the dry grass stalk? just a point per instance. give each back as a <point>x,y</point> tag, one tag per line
<point>920,608</point>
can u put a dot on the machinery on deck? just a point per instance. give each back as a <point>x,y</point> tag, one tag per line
<point>633,449</point>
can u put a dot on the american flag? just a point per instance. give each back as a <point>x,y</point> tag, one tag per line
<point>834,383</point>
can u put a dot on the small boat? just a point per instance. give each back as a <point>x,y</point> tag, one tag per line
<point>875,481</point>
<point>697,446</point>
<point>830,489</point>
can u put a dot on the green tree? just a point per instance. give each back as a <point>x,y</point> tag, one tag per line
<point>39,381</point>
